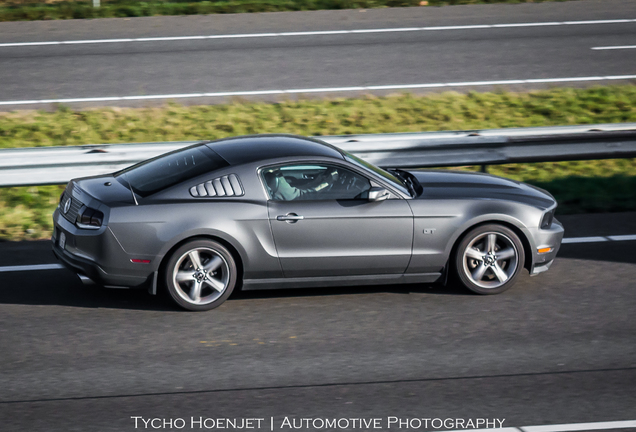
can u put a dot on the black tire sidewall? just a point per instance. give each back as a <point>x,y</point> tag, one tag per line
<point>193,244</point>
<point>458,264</point>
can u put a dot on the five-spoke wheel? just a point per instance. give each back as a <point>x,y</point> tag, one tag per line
<point>200,275</point>
<point>489,259</point>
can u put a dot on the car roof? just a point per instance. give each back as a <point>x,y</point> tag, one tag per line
<point>253,148</point>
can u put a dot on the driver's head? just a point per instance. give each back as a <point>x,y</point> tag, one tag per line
<point>272,178</point>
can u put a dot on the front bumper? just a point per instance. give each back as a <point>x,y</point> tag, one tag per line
<point>545,238</point>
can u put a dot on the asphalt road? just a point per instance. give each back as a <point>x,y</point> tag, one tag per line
<point>314,61</point>
<point>557,348</point>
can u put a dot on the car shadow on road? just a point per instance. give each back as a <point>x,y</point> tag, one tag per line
<point>450,289</point>
<point>62,288</point>
<point>614,251</point>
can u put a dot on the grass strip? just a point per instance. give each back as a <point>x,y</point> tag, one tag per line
<point>580,186</point>
<point>28,10</point>
<point>402,113</point>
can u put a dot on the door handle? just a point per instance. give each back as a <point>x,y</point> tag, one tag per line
<point>290,218</point>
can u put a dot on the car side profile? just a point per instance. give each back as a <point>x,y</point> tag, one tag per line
<point>279,211</point>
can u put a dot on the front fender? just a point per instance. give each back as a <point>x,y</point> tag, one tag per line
<point>439,224</point>
<point>489,218</point>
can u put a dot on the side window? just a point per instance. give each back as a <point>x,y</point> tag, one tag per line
<point>314,182</point>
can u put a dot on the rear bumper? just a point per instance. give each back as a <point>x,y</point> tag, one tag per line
<point>546,238</point>
<point>85,268</point>
<point>97,255</point>
<point>79,266</point>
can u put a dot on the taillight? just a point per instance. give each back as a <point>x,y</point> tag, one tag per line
<point>90,218</point>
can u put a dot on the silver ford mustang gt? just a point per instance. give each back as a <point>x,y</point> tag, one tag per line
<point>274,211</point>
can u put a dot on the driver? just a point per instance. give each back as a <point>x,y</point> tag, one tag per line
<point>281,189</point>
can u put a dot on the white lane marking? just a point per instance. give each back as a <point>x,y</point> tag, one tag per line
<point>503,429</point>
<point>315,33</point>
<point>31,267</point>
<point>581,426</point>
<point>627,424</point>
<point>622,237</point>
<point>618,47</point>
<point>319,90</point>
<point>599,239</point>
<point>584,240</point>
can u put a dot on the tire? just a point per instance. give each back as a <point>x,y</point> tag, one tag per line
<point>489,259</point>
<point>200,275</point>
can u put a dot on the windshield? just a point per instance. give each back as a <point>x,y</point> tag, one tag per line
<point>394,181</point>
<point>162,172</point>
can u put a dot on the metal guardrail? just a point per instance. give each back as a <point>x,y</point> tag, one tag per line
<point>57,165</point>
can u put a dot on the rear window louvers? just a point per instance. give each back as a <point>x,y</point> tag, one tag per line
<point>228,185</point>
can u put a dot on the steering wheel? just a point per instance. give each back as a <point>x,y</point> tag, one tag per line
<point>351,182</point>
<point>329,179</point>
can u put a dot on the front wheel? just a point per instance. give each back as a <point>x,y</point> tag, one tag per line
<point>200,275</point>
<point>489,259</point>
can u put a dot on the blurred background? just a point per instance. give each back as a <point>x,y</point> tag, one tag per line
<point>558,349</point>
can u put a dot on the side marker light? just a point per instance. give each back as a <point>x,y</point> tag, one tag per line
<point>139,261</point>
<point>544,250</point>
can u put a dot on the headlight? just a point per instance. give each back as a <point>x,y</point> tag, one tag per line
<point>90,218</point>
<point>546,221</point>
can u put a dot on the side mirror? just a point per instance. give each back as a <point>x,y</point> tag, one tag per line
<point>378,194</point>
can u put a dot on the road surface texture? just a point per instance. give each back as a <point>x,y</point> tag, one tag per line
<point>558,45</point>
<point>556,348</point>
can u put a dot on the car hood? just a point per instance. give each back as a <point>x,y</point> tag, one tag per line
<point>115,193</point>
<point>471,185</point>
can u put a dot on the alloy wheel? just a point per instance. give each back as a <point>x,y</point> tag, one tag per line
<point>490,260</point>
<point>201,276</point>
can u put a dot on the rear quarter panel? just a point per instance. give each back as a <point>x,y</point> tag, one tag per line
<point>154,229</point>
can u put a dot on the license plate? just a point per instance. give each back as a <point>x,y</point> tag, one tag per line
<point>62,240</point>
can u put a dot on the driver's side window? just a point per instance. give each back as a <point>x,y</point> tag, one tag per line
<point>314,182</point>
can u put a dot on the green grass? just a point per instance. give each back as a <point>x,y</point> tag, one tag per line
<point>28,10</point>
<point>403,113</point>
<point>581,186</point>
<point>25,213</point>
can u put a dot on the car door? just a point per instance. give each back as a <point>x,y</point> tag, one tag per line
<point>335,230</point>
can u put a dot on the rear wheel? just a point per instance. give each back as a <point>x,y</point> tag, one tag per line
<point>200,275</point>
<point>489,259</point>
